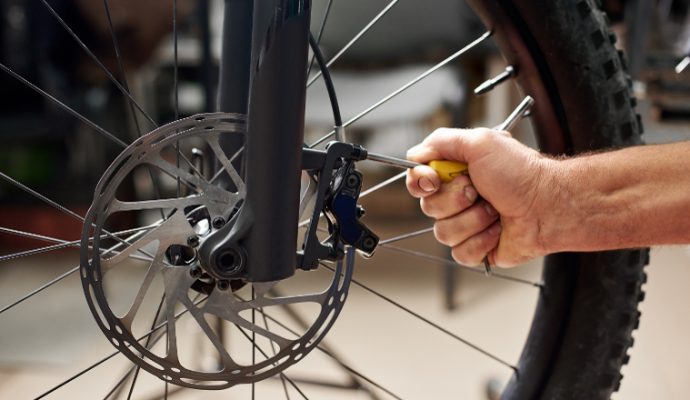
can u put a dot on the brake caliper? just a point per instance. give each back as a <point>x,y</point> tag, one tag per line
<point>337,194</point>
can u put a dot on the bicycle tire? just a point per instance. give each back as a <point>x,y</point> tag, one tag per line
<point>582,327</point>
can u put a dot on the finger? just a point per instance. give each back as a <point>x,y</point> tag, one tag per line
<point>447,144</point>
<point>422,181</point>
<point>459,228</point>
<point>451,198</point>
<point>506,255</point>
<point>472,251</point>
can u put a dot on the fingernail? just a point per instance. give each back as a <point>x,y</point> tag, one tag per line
<point>470,193</point>
<point>490,210</point>
<point>495,230</point>
<point>426,184</point>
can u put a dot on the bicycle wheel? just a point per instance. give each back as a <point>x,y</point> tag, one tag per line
<point>587,305</point>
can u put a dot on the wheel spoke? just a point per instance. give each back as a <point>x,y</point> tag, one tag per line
<point>154,268</point>
<point>354,40</point>
<point>176,92</point>
<point>64,106</point>
<point>149,343</point>
<point>260,350</point>
<point>117,389</point>
<point>383,184</point>
<point>60,207</point>
<point>221,170</point>
<point>97,61</point>
<point>51,283</point>
<point>274,352</point>
<point>40,250</point>
<point>336,359</point>
<point>452,263</point>
<point>406,236</point>
<point>108,357</point>
<point>61,244</point>
<point>39,289</point>
<point>198,315</point>
<point>320,34</point>
<point>429,322</point>
<point>120,65</point>
<point>155,182</point>
<point>408,85</point>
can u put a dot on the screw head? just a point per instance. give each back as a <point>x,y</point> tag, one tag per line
<point>218,222</point>
<point>352,181</point>
<point>195,272</point>
<point>223,285</point>
<point>193,241</point>
<point>369,243</point>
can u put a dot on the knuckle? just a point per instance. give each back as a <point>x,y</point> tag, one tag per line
<point>459,197</point>
<point>461,256</point>
<point>442,233</point>
<point>427,207</point>
<point>484,215</point>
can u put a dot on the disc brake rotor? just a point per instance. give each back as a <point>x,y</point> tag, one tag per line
<point>147,288</point>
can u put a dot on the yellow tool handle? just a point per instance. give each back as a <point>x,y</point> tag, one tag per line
<point>447,170</point>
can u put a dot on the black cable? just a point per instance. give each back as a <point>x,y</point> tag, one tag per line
<point>327,80</point>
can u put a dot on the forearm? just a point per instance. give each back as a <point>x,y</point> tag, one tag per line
<point>629,198</point>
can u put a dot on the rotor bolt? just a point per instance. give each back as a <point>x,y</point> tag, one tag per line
<point>193,241</point>
<point>218,222</point>
<point>223,285</point>
<point>195,272</point>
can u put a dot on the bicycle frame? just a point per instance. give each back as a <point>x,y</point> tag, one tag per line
<point>267,82</point>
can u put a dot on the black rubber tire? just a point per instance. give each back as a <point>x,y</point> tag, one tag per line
<point>566,59</point>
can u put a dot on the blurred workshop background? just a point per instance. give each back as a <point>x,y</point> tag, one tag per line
<point>52,336</point>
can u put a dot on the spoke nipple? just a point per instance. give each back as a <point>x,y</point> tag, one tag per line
<point>223,284</point>
<point>491,83</point>
<point>193,241</point>
<point>218,222</point>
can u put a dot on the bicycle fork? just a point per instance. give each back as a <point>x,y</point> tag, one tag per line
<point>264,78</point>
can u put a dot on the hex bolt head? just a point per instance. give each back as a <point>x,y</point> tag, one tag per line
<point>218,222</point>
<point>369,243</point>
<point>195,272</point>
<point>352,181</point>
<point>193,241</point>
<point>223,284</point>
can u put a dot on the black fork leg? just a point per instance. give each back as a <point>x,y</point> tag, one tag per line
<point>265,230</point>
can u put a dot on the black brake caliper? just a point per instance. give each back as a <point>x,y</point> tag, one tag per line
<point>339,186</point>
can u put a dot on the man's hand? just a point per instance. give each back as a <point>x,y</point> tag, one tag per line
<point>496,213</point>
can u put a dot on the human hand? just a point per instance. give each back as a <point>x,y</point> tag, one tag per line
<point>498,212</point>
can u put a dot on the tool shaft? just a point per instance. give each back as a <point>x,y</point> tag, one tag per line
<point>517,114</point>
<point>506,125</point>
<point>397,162</point>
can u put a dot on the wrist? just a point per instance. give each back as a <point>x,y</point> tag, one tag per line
<point>550,205</point>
